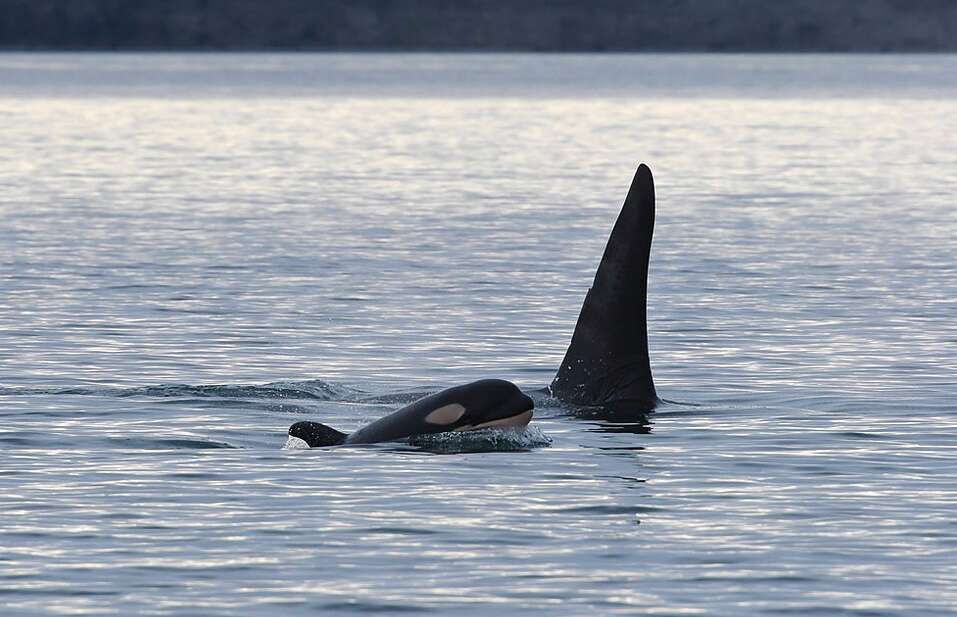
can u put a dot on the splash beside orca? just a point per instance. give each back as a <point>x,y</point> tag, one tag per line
<point>606,364</point>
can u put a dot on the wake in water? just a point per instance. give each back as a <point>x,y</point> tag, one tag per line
<point>485,440</point>
<point>315,389</point>
<point>282,397</point>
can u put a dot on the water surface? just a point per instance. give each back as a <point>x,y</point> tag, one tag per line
<point>198,250</point>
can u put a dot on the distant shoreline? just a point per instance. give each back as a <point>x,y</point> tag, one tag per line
<point>466,52</point>
<point>481,26</point>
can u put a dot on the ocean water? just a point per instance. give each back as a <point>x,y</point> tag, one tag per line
<point>197,251</point>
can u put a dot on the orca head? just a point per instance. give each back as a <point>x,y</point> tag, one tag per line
<point>316,435</point>
<point>486,403</point>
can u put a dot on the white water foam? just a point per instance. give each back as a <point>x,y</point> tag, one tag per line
<point>295,443</point>
<point>484,440</point>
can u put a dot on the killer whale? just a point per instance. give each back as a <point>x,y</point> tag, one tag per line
<point>481,404</point>
<point>607,361</point>
<point>606,365</point>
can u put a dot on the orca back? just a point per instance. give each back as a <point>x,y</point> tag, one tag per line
<point>607,360</point>
<point>317,435</point>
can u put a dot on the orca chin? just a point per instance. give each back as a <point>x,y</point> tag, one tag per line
<point>607,361</point>
<point>517,421</point>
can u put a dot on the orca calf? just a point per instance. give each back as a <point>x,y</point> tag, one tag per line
<point>606,365</point>
<point>481,404</point>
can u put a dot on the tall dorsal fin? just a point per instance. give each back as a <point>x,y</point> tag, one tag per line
<point>607,360</point>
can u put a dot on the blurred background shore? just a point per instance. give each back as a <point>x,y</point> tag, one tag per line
<point>478,25</point>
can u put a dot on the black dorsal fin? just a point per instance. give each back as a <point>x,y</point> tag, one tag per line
<point>607,360</point>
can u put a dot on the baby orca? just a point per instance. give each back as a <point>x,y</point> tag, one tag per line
<point>481,404</point>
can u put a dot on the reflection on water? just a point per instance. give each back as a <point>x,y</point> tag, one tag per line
<point>620,417</point>
<point>279,238</point>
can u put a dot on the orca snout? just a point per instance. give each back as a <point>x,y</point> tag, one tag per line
<point>525,402</point>
<point>516,402</point>
<point>514,412</point>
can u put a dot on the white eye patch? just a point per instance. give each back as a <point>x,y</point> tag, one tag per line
<point>446,414</point>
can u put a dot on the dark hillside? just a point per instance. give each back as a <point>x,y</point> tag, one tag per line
<point>546,25</point>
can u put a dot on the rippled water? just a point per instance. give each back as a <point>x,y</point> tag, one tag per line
<point>198,250</point>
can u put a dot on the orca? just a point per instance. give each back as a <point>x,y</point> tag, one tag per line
<point>606,370</point>
<point>607,363</point>
<point>486,403</point>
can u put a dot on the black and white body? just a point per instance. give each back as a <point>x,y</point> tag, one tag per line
<point>487,403</point>
<point>606,366</point>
